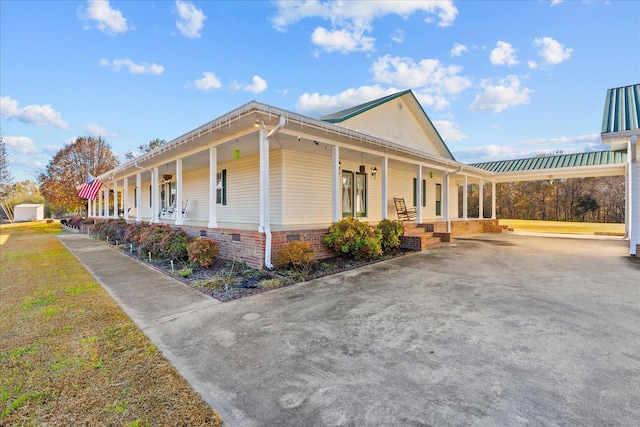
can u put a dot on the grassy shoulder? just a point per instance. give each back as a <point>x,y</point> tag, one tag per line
<point>563,227</point>
<point>69,355</point>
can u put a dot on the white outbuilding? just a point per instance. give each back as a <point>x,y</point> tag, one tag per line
<point>28,212</point>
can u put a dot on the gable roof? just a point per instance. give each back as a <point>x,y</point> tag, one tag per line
<point>621,110</point>
<point>595,158</point>
<point>348,113</point>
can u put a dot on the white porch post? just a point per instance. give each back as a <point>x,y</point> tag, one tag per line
<point>465,205</point>
<point>632,154</point>
<point>419,194</point>
<point>264,179</point>
<point>105,202</point>
<point>481,199</point>
<point>115,199</point>
<point>99,197</point>
<point>213,182</point>
<point>493,200</point>
<point>445,201</point>
<point>155,196</point>
<point>138,197</point>
<point>125,198</point>
<point>385,167</point>
<point>336,184</point>
<point>179,214</point>
<point>88,208</point>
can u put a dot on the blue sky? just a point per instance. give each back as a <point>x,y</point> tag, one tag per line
<point>500,80</point>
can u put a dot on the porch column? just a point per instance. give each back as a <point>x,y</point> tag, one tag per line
<point>179,214</point>
<point>481,199</point>
<point>493,200</point>
<point>155,196</point>
<point>125,198</point>
<point>138,197</point>
<point>337,184</point>
<point>634,207</point>
<point>99,198</point>
<point>105,194</point>
<point>264,179</point>
<point>465,215</point>
<point>213,183</point>
<point>385,167</point>
<point>419,194</point>
<point>445,201</point>
<point>115,199</point>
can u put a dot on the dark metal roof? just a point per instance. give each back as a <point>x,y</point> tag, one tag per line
<point>345,114</point>
<point>621,109</point>
<point>554,162</point>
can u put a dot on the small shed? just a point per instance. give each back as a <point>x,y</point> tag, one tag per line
<point>28,212</point>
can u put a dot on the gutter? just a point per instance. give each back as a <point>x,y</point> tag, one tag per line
<point>267,222</point>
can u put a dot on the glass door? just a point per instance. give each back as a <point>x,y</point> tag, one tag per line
<point>361,195</point>
<point>347,194</point>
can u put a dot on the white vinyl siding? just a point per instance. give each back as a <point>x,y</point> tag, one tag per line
<point>307,188</point>
<point>276,166</point>
<point>400,184</point>
<point>243,191</point>
<point>393,124</point>
<point>195,188</point>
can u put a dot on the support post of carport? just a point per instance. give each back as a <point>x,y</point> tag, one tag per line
<point>493,200</point>
<point>384,173</point>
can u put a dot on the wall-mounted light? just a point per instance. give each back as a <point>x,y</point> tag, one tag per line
<point>374,172</point>
<point>259,122</point>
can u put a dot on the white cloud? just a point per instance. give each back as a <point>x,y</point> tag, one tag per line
<point>551,50</point>
<point>343,40</point>
<point>556,2</point>
<point>190,19</point>
<point>259,85</point>
<point>507,93</point>
<point>457,50</point>
<point>96,130</point>
<point>39,115</point>
<point>449,130</point>
<point>134,68</point>
<point>22,145</point>
<point>503,54</point>
<point>108,20</point>
<point>564,140</point>
<point>532,64</point>
<point>398,36</point>
<point>314,104</point>
<point>207,82</point>
<point>427,76</point>
<point>351,19</point>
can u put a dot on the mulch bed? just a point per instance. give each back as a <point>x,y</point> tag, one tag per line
<point>229,280</point>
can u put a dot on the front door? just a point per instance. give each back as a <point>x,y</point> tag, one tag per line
<point>354,194</point>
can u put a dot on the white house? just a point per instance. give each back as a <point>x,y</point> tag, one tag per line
<point>28,212</point>
<point>260,176</point>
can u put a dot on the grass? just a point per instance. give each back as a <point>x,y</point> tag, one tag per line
<point>69,355</point>
<point>563,227</point>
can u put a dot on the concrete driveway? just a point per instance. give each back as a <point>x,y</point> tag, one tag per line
<point>493,330</point>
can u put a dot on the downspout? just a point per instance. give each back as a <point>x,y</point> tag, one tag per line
<point>267,222</point>
<point>446,174</point>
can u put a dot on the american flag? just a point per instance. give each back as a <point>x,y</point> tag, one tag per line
<point>89,190</point>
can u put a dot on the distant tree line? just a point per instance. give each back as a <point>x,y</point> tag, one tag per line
<point>599,199</point>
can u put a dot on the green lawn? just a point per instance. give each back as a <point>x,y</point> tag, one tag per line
<point>563,227</point>
<point>69,355</point>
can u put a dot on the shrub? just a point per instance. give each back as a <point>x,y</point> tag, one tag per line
<point>185,272</point>
<point>149,240</point>
<point>354,238</point>
<point>202,252</point>
<point>112,229</point>
<point>391,232</point>
<point>297,255</point>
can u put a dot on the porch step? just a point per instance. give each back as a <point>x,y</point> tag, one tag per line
<point>417,239</point>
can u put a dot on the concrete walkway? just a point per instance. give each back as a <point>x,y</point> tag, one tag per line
<point>492,330</point>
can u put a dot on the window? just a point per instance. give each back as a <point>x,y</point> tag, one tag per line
<point>424,192</point>
<point>438,199</point>
<point>221,187</point>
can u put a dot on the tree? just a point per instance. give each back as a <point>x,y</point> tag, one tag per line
<point>145,148</point>
<point>68,170</point>
<point>5,173</point>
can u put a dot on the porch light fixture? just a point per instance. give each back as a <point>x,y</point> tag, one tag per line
<point>259,122</point>
<point>374,172</point>
<point>167,177</point>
